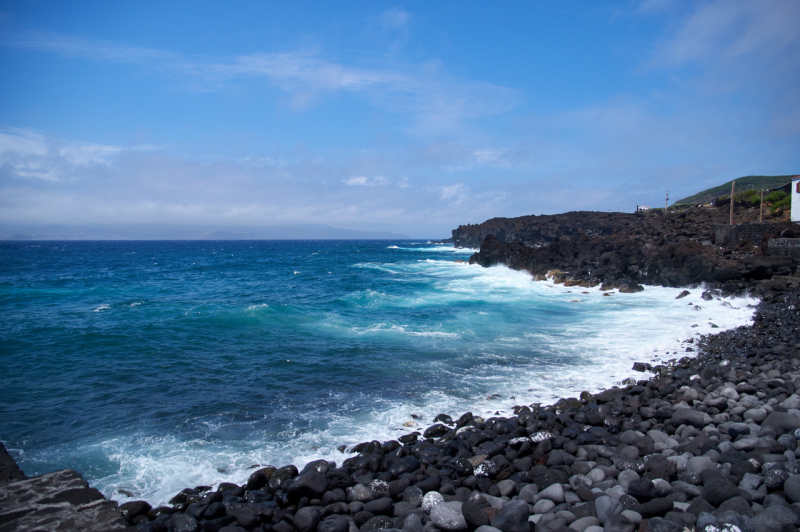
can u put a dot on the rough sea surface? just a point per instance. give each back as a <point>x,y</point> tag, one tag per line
<point>154,366</point>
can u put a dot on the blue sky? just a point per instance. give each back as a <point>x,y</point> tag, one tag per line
<point>412,117</point>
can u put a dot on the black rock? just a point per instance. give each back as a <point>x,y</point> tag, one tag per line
<point>339,479</point>
<point>382,506</point>
<point>429,484</point>
<point>306,519</point>
<point>474,515</point>
<point>513,517</point>
<point>717,491</point>
<point>642,488</point>
<point>435,431</point>
<point>376,523</point>
<point>310,484</point>
<point>215,510</point>
<point>774,478</point>
<point>359,518</point>
<point>618,523</point>
<point>334,523</point>
<point>333,496</point>
<point>463,467</point>
<point>134,508</point>
<point>396,487</point>
<point>183,523</point>
<point>663,525</point>
<point>736,504</point>
<point>656,507</point>
<point>407,464</point>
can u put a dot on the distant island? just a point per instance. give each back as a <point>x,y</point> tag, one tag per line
<point>185,232</point>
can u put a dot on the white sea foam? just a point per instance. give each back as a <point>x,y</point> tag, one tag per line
<point>439,249</point>
<point>591,348</point>
<point>256,308</point>
<point>102,308</point>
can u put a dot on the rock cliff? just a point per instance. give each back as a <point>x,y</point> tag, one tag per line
<point>589,248</point>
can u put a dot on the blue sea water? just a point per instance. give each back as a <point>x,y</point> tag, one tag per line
<point>154,366</point>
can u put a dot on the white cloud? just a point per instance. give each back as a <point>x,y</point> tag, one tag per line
<point>30,154</point>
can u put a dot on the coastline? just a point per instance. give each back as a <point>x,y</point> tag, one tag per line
<point>561,466</point>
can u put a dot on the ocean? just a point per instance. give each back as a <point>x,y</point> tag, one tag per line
<point>151,366</point>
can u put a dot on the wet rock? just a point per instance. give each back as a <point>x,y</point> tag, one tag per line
<point>133,509</point>
<point>311,484</point>
<point>435,431</point>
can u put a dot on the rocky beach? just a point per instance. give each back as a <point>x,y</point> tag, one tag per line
<point>709,442</point>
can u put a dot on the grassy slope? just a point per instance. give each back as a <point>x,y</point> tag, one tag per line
<point>751,182</point>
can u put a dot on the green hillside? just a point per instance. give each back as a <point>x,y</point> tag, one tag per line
<point>750,182</point>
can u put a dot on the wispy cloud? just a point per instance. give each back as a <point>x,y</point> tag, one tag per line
<point>365,181</point>
<point>395,18</point>
<point>723,31</point>
<point>433,101</point>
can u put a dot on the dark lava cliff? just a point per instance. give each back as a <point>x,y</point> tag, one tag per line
<point>622,250</point>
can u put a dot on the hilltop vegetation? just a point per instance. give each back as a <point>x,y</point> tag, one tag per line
<point>743,184</point>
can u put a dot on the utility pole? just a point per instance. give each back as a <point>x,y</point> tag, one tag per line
<point>733,191</point>
<point>761,213</point>
<point>666,201</point>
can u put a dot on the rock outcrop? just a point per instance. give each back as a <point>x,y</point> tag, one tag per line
<point>675,249</point>
<point>56,501</point>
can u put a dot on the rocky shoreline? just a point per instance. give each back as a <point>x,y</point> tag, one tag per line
<point>621,250</point>
<point>709,443</point>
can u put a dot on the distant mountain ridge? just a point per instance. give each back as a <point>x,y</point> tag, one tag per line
<point>750,182</point>
<point>175,232</point>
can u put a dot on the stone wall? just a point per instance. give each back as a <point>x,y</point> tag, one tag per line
<point>785,247</point>
<point>733,235</point>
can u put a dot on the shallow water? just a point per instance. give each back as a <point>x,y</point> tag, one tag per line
<point>153,366</point>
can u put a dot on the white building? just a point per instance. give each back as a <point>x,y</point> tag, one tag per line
<point>796,198</point>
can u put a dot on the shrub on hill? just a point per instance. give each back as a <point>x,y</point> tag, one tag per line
<point>775,196</point>
<point>785,202</point>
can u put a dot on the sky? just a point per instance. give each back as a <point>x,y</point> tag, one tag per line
<point>413,117</point>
